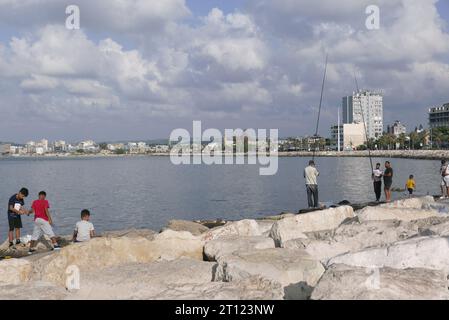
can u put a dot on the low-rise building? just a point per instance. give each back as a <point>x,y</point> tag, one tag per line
<point>397,128</point>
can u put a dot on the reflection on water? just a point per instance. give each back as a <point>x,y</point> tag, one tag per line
<point>145,192</point>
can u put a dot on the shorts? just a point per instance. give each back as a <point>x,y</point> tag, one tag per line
<point>410,190</point>
<point>387,185</point>
<point>15,222</point>
<point>443,183</point>
<point>446,180</point>
<point>41,227</point>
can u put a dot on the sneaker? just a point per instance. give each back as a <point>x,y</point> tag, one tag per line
<point>18,241</point>
<point>31,251</point>
<point>56,247</point>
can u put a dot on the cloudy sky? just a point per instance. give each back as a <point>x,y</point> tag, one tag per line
<point>137,69</point>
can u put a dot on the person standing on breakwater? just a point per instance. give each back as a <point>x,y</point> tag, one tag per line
<point>443,182</point>
<point>42,222</point>
<point>388,180</point>
<point>311,174</point>
<point>410,185</point>
<point>377,181</point>
<point>15,210</point>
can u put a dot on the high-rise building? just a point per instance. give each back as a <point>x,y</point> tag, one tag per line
<point>439,116</point>
<point>365,105</point>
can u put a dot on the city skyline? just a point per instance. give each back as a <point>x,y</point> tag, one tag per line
<point>233,64</point>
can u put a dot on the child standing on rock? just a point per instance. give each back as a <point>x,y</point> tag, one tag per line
<point>84,230</point>
<point>410,185</point>
<point>42,222</point>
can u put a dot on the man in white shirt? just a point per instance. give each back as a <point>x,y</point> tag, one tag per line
<point>311,174</point>
<point>84,230</point>
<point>443,182</point>
<point>377,181</point>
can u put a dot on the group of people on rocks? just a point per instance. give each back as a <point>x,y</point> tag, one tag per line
<point>311,174</point>
<point>43,222</point>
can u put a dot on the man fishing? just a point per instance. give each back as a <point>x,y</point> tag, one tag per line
<point>311,174</point>
<point>377,181</point>
<point>388,180</point>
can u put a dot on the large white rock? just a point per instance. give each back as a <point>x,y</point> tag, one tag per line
<point>14,271</point>
<point>104,252</point>
<point>175,280</point>
<point>174,244</point>
<point>353,237</point>
<point>242,228</point>
<point>265,226</point>
<point>295,270</point>
<point>221,247</point>
<point>131,233</point>
<point>33,291</point>
<point>416,203</point>
<point>394,213</point>
<point>341,282</point>
<point>181,225</point>
<point>295,227</point>
<point>423,252</point>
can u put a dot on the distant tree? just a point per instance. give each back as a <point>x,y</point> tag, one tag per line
<point>120,151</point>
<point>103,146</point>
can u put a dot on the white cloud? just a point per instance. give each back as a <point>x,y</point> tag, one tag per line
<point>263,65</point>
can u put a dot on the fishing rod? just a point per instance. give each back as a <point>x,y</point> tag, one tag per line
<point>364,125</point>
<point>319,108</point>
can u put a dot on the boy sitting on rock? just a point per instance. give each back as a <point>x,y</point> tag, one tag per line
<point>84,230</point>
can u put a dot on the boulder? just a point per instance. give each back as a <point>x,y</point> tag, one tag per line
<point>174,244</point>
<point>131,233</point>
<point>265,227</point>
<point>243,228</point>
<point>413,203</point>
<point>181,225</point>
<point>353,237</point>
<point>32,291</point>
<point>421,252</point>
<point>183,279</point>
<point>341,282</point>
<point>295,270</point>
<point>393,213</point>
<point>296,227</point>
<point>14,271</point>
<point>143,280</point>
<point>221,247</point>
<point>104,252</point>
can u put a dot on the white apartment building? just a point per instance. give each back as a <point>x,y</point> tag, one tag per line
<point>365,105</point>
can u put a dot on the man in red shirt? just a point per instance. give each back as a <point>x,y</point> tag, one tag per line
<point>42,222</point>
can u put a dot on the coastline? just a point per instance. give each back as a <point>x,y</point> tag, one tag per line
<point>400,154</point>
<point>320,255</point>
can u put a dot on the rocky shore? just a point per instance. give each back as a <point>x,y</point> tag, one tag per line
<point>392,251</point>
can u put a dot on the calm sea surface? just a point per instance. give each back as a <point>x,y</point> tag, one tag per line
<point>146,192</point>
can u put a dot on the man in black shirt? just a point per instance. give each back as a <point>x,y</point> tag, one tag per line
<point>388,180</point>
